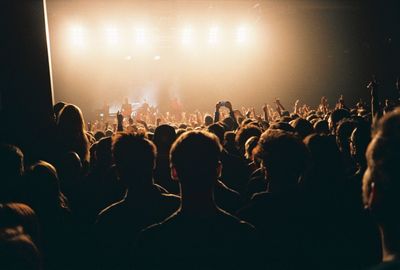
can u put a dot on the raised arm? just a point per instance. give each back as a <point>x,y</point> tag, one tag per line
<point>375,111</point>
<point>216,114</point>
<point>120,118</point>
<point>265,112</point>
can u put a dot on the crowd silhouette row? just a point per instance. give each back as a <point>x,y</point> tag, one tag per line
<point>307,189</point>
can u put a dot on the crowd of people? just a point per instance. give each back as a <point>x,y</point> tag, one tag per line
<point>300,189</point>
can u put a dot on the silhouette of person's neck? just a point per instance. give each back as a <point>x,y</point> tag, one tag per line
<point>279,186</point>
<point>198,202</point>
<point>140,185</point>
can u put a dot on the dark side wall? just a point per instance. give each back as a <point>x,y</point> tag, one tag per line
<point>26,116</point>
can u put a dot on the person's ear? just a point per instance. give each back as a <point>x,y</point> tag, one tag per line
<point>372,196</point>
<point>219,169</point>
<point>174,174</point>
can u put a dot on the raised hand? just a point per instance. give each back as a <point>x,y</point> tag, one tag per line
<point>373,86</point>
<point>264,108</point>
<point>120,117</point>
<point>217,106</point>
<point>228,105</point>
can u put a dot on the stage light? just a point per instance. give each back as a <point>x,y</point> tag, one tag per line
<point>187,36</point>
<point>112,35</point>
<point>77,36</point>
<point>243,35</point>
<point>213,35</point>
<point>141,37</point>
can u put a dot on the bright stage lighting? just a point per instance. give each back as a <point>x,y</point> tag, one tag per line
<point>77,36</point>
<point>141,37</point>
<point>187,36</point>
<point>112,35</point>
<point>242,35</point>
<point>213,35</point>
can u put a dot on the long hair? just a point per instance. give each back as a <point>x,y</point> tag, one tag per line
<point>71,132</point>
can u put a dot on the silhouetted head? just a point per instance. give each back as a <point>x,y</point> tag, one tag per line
<point>326,162</point>
<point>71,119</point>
<point>343,133</point>
<point>43,188</point>
<point>57,108</point>
<point>11,170</point>
<point>208,120</point>
<point>164,136</point>
<point>229,138</point>
<point>321,127</point>
<point>359,140</point>
<point>218,130</point>
<point>109,133</point>
<point>336,116</point>
<point>103,153</point>
<point>249,146</point>
<point>71,131</point>
<point>381,183</point>
<point>229,123</point>
<point>284,157</point>
<point>302,127</point>
<point>19,214</point>
<point>99,134</point>
<point>134,157</point>
<point>282,126</point>
<point>195,160</point>
<point>244,133</point>
<point>17,251</point>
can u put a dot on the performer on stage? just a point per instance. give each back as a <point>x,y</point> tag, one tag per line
<point>126,109</point>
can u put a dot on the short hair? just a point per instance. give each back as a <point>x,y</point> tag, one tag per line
<point>208,120</point>
<point>250,144</point>
<point>303,127</point>
<point>19,214</point>
<point>245,132</point>
<point>360,139</point>
<point>133,155</point>
<point>321,127</point>
<point>17,251</point>
<point>99,134</point>
<point>343,132</point>
<point>282,152</point>
<point>282,126</point>
<point>44,187</point>
<point>338,115</point>
<point>57,108</point>
<point>229,137</point>
<point>218,130</point>
<point>164,136</point>
<point>195,153</point>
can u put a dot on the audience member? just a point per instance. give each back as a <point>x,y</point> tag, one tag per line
<point>199,235</point>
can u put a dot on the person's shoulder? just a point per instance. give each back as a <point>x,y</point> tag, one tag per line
<point>260,197</point>
<point>257,202</point>
<point>155,229</point>
<point>170,200</point>
<point>165,193</point>
<point>229,218</point>
<point>110,211</point>
<point>221,186</point>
